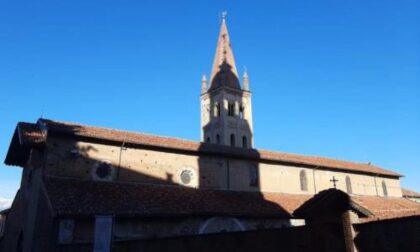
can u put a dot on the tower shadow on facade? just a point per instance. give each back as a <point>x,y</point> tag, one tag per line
<point>147,186</point>
<point>74,174</point>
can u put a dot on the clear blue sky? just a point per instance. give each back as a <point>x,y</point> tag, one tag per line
<point>329,78</point>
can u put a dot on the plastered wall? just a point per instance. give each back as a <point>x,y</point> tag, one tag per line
<point>212,172</point>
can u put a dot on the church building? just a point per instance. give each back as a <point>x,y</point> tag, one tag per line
<point>86,187</point>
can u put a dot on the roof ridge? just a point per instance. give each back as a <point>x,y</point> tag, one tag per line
<point>146,139</point>
<point>314,156</point>
<point>192,141</point>
<point>120,130</point>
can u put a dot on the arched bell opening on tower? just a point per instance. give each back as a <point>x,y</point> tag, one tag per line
<point>226,107</point>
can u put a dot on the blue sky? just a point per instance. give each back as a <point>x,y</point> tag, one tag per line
<point>329,78</point>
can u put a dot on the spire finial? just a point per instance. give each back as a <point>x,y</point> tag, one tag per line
<point>245,72</point>
<point>224,14</point>
<point>203,84</point>
<point>245,79</point>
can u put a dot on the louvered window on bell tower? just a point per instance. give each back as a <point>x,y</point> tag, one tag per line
<point>241,112</point>
<point>231,109</point>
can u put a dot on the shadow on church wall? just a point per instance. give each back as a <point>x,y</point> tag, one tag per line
<point>209,190</point>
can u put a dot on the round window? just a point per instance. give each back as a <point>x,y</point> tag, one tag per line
<point>103,170</point>
<point>186,176</point>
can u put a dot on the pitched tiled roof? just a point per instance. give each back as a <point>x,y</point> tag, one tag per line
<point>70,197</point>
<point>30,134</point>
<point>387,207</point>
<point>330,201</point>
<point>173,143</point>
<point>369,208</point>
<point>26,136</point>
<point>408,193</point>
<point>204,148</point>
<point>78,197</point>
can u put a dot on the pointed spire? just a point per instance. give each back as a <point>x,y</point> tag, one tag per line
<point>203,84</point>
<point>246,79</point>
<point>224,71</point>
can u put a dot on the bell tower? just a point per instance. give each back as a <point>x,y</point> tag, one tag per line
<point>226,111</point>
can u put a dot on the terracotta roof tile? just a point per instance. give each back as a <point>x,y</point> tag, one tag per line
<point>26,136</point>
<point>30,134</point>
<point>408,193</point>
<point>191,146</point>
<point>387,207</point>
<point>71,197</point>
<point>330,201</point>
<point>78,197</point>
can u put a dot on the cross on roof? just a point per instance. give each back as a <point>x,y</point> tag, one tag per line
<point>334,180</point>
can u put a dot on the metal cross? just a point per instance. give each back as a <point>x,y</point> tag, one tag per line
<point>334,180</point>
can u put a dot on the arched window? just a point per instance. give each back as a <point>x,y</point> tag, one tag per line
<point>384,189</point>
<point>231,109</point>
<point>220,225</point>
<point>208,140</point>
<point>244,142</point>
<point>241,112</point>
<point>217,139</point>
<point>303,181</point>
<point>348,185</point>
<point>232,140</point>
<point>217,109</point>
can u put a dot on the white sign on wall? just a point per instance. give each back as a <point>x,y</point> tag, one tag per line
<point>103,234</point>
